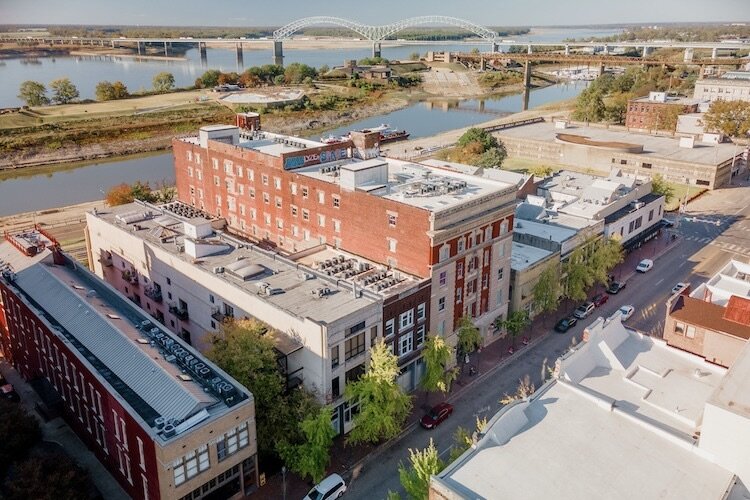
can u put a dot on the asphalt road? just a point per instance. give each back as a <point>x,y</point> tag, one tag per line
<point>713,230</point>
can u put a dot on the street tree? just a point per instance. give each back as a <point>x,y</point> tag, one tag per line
<point>436,355</point>
<point>731,118</point>
<point>469,338</point>
<point>515,323</point>
<point>548,290</point>
<point>163,82</point>
<point>524,390</point>
<point>463,439</point>
<point>578,276</point>
<point>19,432</point>
<point>605,255</point>
<point>47,477</point>
<point>33,93</point>
<point>311,457</point>
<point>422,465</point>
<point>383,404</point>
<point>63,91</point>
<point>660,186</point>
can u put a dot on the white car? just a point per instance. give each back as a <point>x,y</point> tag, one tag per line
<point>645,265</point>
<point>626,312</point>
<point>331,487</point>
<point>679,287</point>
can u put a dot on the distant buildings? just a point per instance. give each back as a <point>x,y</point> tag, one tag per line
<point>712,321</point>
<point>625,416</point>
<point>727,89</point>
<point>707,164</point>
<point>165,421</point>
<point>658,111</point>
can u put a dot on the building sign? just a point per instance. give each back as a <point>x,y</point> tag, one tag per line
<point>291,162</point>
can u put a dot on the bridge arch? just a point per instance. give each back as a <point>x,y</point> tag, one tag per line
<point>379,33</point>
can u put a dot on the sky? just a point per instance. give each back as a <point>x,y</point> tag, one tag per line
<point>279,12</point>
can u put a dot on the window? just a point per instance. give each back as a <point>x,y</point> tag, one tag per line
<point>421,311</point>
<point>445,253</point>
<point>406,320</point>
<point>190,465</point>
<point>266,198</point>
<point>321,220</point>
<point>690,333</point>
<point>321,197</point>
<point>443,278</point>
<point>441,304</point>
<point>460,245</point>
<point>334,356</point>
<point>264,179</point>
<point>646,165</point>
<point>250,175</point>
<point>215,163</point>
<point>388,328</point>
<point>392,220</point>
<point>392,245</point>
<point>293,187</point>
<point>231,442</point>
<point>278,202</point>
<point>279,223</point>
<point>335,390</point>
<point>216,180</point>
<point>294,211</point>
<point>277,182</point>
<point>459,270</point>
<point>459,294</point>
<point>305,192</point>
<point>251,193</point>
<point>679,328</point>
<point>336,226</point>
<point>650,215</point>
<point>305,214</point>
<point>336,201</point>
<point>354,346</point>
<point>405,344</point>
<point>500,274</point>
<point>420,336</point>
<point>504,227</point>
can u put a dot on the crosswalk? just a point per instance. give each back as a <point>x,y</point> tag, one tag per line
<point>701,239</point>
<point>731,247</point>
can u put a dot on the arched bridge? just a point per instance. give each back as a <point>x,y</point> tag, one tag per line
<point>376,34</point>
<point>379,33</point>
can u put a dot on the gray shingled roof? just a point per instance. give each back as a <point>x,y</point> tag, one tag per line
<point>127,361</point>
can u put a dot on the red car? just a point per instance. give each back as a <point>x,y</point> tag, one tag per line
<point>435,416</point>
<point>600,299</point>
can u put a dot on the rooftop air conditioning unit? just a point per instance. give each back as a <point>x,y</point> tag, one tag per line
<point>169,430</point>
<point>218,270</point>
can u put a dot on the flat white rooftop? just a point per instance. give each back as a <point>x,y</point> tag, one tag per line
<point>547,231</point>
<point>276,144</point>
<point>524,256</point>
<point>732,279</point>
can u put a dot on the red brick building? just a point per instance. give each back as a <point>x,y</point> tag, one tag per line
<point>294,194</point>
<point>658,111</point>
<point>163,420</point>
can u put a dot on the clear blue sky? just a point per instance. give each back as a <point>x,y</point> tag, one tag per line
<point>274,13</point>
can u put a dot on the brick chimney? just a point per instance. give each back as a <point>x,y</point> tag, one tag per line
<point>366,144</point>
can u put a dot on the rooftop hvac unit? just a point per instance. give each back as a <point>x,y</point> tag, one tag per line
<point>218,270</point>
<point>170,358</point>
<point>169,430</point>
<point>204,373</point>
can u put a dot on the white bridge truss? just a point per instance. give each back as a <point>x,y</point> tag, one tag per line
<point>379,33</point>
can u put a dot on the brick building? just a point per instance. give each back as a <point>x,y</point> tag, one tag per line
<point>294,194</point>
<point>658,111</point>
<point>726,89</point>
<point>166,422</point>
<point>712,321</point>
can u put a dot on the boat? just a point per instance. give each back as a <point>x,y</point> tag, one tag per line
<point>332,139</point>
<point>388,134</point>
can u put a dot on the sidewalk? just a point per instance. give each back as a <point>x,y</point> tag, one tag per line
<point>57,431</point>
<point>349,461</point>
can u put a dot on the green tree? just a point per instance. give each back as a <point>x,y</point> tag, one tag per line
<point>311,457</point>
<point>731,118</point>
<point>209,79</point>
<point>278,80</point>
<point>297,72</point>
<point>542,171</point>
<point>119,90</point>
<point>436,355</point>
<point>19,432</point>
<point>383,404</point>
<point>475,51</point>
<point>469,338</point>
<point>492,158</point>
<point>515,323</point>
<point>414,56</point>
<point>63,91</point>
<point>617,107</point>
<point>578,276</point>
<point>323,69</point>
<point>422,464</point>
<point>589,106</point>
<point>660,186</point>
<point>33,93</point>
<point>463,440</point>
<point>47,477</point>
<point>605,255</point>
<point>548,290</point>
<point>474,134</point>
<point>163,82</point>
<point>104,91</point>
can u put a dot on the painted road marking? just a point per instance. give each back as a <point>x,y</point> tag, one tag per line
<point>657,283</point>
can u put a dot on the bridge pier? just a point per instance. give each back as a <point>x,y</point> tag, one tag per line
<point>601,69</point>
<point>646,52</point>
<point>688,57</point>
<point>204,54</point>
<point>528,49</point>
<point>526,75</point>
<point>482,64</point>
<point>240,57</point>
<point>278,53</point>
<point>526,95</point>
<point>139,47</point>
<point>567,50</point>
<point>166,50</point>
<point>495,47</point>
<point>714,53</point>
<point>376,49</point>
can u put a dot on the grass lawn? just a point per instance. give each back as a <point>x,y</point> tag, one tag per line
<point>678,195</point>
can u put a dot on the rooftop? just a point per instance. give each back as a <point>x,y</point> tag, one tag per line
<point>302,292</point>
<point>732,279</point>
<point>419,185</point>
<point>632,207</point>
<point>654,146</point>
<point>166,383</point>
<point>524,256</point>
<point>709,315</point>
<point>619,423</point>
<point>550,232</point>
<point>670,99</point>
<point>495,174</point>
<point>264,142</point>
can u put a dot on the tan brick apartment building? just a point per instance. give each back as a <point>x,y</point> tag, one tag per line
<point>713,321</point>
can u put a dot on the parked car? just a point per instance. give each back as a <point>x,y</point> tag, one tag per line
<point>436,415</point>
<point>626,312</point>
<point>679,287</point>
<point>584,310</point>
<point>645,266</point>
<point>615,287</point>
<point>8,393</point>
<point>331,487</point>
<point>566,324</point>
<point>667,223</point>
<point>600,299</point>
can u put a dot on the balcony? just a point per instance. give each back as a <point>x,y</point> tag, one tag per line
<point>131,276</point>
<point>180,312</point>
<point>106,259</point>
<point>218,315</point>
<point>153,293</point>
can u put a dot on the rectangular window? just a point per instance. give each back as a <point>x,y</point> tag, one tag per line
<point>334,356</point>
<point>459,294</point>
<point>293,187</point>
<point>646,165</point>
<point>445,253</point>
<point>500,274</point>
<point>650,215</point>
<point>392,220</point>
<point>278,202</point>
<point>679,328</point>
<point>266,198</point>
<point>421,311</point>
<point>392,245</point>
<point>321,197</point>
<point>264,179</point>
<point>336,201</point>
<point>305,214</point>
<point>335,390</point>
<point>690,333</point>
<point>420,336</point>
<point>277,182</point>
<point>459,270</point>
<point>389,328</point>
<point>250,175</point>
<point>251,193</point>
<point>406,320</point>
<point>441,304</point>
<point>321,220</point>
<point>460,245</point>
<point>231,442</point>
<point>336,226</point>
<point>305,192</point>
<point>354,346</point>
<point>405,344</point>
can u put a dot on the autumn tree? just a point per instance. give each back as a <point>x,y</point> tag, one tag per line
<point>383,405</point>
<point>108,91</point>
<point>469,338</point>
<point>163,82</point>
<point>311,457</point>
<point>208,79</point>
<point>422,465</point>
<point>33,93</point>
<point>548,289</point>
<point>463,439</point>
<point>589,105</point>
<point>731,118</point>
<point>524,390</point>
<point>63,91</point>
<point>437,355</point>
<point>231,78</point>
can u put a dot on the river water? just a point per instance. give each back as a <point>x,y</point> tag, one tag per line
<point>86,71</point>
<point>43,188</point>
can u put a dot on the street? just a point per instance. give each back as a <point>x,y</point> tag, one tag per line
<point>717,230</point>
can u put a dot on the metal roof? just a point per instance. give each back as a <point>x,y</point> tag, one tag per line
<point>157,388</point>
